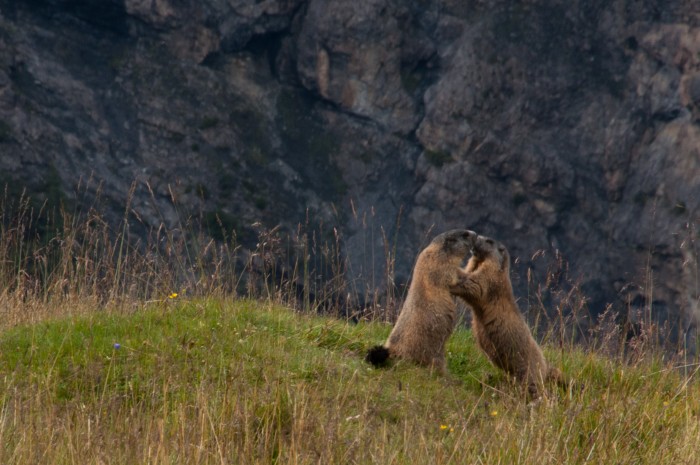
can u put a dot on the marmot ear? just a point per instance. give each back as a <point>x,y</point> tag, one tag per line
<point>505,258</point>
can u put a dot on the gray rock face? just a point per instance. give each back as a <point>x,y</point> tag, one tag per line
<point>565,129</point>
<point>349,53</point>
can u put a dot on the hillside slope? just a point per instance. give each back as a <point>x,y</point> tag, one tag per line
<point>563,127</point>
<point>242,382</point>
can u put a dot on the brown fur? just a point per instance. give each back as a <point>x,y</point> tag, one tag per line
<point>498,325</point>
<point>429,314</point>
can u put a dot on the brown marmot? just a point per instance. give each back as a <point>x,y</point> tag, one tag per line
<point>429,314</point>
<point>498,325</point>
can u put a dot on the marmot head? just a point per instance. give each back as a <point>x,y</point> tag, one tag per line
<point>491,262</point>
<point>452,246</point>
<point>489,252</point>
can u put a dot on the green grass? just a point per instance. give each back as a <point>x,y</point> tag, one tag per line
<point>222,381</point>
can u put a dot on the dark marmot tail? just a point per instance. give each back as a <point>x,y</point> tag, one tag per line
<point>377,356</point>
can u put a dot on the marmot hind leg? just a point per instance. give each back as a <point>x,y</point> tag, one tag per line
<point>554,375</point>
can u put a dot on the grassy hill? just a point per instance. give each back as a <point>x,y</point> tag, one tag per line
<point>220,381</point>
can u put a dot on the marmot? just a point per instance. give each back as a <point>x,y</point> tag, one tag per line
<point>498,325</point>
<point>429,314</point>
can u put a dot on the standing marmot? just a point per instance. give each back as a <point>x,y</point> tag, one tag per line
<point>498,325</point>
<point>429,314</point>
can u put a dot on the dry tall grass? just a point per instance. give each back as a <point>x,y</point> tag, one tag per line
<point>198,379</point>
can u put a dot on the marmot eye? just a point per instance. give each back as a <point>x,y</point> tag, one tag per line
<point>489,241</point>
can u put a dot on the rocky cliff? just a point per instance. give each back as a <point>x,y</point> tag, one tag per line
<point>567,129</point>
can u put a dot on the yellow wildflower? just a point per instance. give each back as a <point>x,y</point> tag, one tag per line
<point>494,413</point>
<point>443,427</point>
<point>173,295</point>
